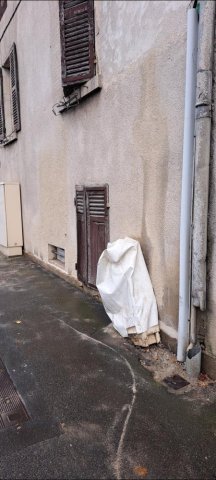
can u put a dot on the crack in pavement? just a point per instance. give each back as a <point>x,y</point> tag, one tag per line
<point>118,459</point>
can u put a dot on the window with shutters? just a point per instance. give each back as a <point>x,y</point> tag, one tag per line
<point>92,230</point>
<point>77,42</point>
<point>77,34</point>
<point>10,123</point>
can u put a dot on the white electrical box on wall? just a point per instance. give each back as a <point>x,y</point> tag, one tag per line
<point>11,237</point>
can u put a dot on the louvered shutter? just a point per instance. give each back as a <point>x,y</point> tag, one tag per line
<point>81,235</point>
<point>3,6</point>
<point>2,118</point>
<point>15,88</point>
<point>77,41</point>
<point>97,227</point>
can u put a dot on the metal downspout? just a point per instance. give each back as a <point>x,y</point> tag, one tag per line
<point>187,185</point>
<point>197,283</point>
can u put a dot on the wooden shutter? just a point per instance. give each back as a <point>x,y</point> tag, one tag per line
<point>3,6</point>
<point>77,41</point>
<point>2,117</point>
<point>97,227</point>
<point>15,88</point>
<point>81,235</point>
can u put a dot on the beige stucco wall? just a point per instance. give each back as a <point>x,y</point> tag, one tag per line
<point>129,135</point>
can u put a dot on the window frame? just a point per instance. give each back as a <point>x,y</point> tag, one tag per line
<point>11,65</point>
<point>74,17</point>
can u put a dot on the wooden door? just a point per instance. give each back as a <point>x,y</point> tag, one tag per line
<point>81,235</point>
<point>92,230</point>
<point>97,228</point>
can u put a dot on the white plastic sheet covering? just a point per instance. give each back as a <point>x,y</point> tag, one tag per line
<point>125,288</point>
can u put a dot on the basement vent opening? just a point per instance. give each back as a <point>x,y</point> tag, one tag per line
<point>56,255</point>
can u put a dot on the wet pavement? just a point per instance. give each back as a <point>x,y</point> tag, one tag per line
<point>94,411</point>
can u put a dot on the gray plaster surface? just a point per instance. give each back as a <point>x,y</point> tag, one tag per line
<point>95,412</point>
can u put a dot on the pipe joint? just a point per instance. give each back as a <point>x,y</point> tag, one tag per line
<point>204,88</point>
<point>203,111</point>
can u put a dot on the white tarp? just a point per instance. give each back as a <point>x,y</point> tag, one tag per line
<point>125,288</point>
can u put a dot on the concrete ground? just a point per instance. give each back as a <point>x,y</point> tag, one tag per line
<point>95,412</point>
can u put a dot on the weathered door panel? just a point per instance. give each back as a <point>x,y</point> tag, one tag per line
<point>81,235</point>
<point>96,245</point>
<point>92,230</point>
<point>97,228</point>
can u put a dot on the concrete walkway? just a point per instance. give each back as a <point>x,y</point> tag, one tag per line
<point>95,412</point>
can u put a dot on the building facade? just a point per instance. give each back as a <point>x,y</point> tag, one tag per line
<point>93,132</point>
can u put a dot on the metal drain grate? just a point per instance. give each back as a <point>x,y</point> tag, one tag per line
<point>12,410</point>
<point>176,382</point>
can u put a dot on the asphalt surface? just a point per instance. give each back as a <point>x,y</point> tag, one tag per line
<point>95,412</point>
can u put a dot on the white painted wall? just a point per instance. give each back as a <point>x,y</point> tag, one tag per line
<point>129,135</point>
